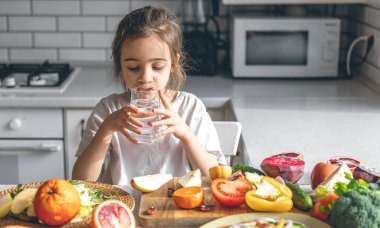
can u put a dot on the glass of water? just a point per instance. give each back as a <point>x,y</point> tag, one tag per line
<point>146,101</point>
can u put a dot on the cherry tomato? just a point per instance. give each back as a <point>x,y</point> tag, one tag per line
<point>230,193</point>
<point>323,207</point>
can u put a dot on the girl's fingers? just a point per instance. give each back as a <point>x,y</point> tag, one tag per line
<point>134,121</point>
<point>167,122</point>
<point>132,128</point>
<point>165,132</point>
<point>130,109</point>
<point>164,112</point>
<point>164,101</point>
<point>126,133</point>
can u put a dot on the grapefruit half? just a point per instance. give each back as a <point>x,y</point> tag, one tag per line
<point>113,213</point>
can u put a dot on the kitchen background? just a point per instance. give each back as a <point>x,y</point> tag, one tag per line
<point>82,30</point>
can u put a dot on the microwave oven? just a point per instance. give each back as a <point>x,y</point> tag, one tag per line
<point>285,47</point>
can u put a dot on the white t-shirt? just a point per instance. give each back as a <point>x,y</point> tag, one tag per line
<point>166,155</point>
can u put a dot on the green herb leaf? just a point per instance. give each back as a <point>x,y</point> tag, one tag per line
<point>324,209</point>
<point>73,182</point>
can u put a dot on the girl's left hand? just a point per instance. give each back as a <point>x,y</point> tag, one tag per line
<point>171,119</point>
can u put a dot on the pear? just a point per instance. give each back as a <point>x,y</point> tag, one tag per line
<point>150,183</point>
<point>5,205</point>
<point>192,178</point>
<point>23,200</point>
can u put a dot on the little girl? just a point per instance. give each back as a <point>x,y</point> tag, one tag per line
<point>147,53</point>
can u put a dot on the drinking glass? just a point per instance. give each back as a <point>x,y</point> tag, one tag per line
<point>146,101</point>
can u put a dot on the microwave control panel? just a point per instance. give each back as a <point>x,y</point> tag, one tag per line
<point>330,49</point>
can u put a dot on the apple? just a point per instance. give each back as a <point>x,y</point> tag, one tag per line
<point>320,172</point>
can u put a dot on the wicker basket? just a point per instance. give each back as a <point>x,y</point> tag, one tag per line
<point>106,189</point>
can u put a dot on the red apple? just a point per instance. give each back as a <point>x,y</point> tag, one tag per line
<point>320,172</point>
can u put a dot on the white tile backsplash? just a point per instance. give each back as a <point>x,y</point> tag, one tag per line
<point>57,39</point>
<point>15,39</point>
<point>170,4</point>
<point>61,7</point>
<point>3,23</point>
<point>366,21</point>
<point>105,7</point>
<point>15,7</point>
<point>95,24</point>
<point>33,54</point>
<point>82,54</point>
<point>29,23</point>
<point>97,39</point>
<point>112,23</point>
<point>3,54</point>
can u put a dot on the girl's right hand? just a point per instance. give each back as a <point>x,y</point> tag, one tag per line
<point>124,121</point>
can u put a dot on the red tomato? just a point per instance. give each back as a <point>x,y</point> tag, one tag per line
<point>323,207</point>
<point>230,193</point>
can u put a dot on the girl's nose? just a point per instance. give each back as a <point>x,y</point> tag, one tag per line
<point>146,76</point>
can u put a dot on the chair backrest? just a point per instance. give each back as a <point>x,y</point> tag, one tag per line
<point>229,135</point>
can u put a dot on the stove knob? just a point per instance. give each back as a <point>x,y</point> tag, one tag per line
<point>15,124</point>
<point>9,82</point>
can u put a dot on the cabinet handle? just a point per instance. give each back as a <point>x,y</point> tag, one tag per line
<point>82,123</point>
<point>41,148</point>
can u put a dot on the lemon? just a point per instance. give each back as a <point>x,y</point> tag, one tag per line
<point>5,204</point>
<point>23,200</point>
<point>150,183</point>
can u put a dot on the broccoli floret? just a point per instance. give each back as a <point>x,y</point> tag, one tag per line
<point>359,210</point>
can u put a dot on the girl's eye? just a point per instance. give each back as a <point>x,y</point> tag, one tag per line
<point>158,68</point>
<point>133,69</point>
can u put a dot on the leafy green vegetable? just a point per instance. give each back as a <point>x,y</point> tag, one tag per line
<point>356,209</point>
<point>354,185</point>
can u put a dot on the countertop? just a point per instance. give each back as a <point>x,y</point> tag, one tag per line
<point>320,118</point>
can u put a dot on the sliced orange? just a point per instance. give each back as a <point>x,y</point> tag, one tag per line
<point>189,197</point>
<point>113,213</point>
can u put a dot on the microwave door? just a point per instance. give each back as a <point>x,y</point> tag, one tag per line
<point>277,48</point>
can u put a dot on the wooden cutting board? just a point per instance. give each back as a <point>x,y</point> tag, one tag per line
<point>169,215</point>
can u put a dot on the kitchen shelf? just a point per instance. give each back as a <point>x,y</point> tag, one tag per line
<point>291,2</point>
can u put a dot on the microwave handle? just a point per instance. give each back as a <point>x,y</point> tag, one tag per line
<point>41,148</point>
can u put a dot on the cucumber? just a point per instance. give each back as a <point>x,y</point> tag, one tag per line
<point>247,168</point>
<point>301,200</point>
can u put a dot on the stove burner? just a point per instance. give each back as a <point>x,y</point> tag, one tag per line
<point>36,75</point>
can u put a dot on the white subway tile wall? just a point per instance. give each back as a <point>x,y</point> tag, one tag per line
<point>70,30</point>
<point>55,39</point>
<point>49,7</point>
<point>365,20</point>
<point>3,23</point>
<point>15,39</point>
<point>3,54</point>
<point>33,54</point>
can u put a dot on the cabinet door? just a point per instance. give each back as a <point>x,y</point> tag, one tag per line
<point>75,122</point>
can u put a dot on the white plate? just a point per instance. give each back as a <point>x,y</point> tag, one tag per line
<point>233,219</point>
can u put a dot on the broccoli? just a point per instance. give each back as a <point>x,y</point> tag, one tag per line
<point>359,210</point>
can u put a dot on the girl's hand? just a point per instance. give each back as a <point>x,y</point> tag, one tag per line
<point>171,119</point>
<point>124,120</point>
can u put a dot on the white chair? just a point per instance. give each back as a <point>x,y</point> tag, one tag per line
<point>229,135</point>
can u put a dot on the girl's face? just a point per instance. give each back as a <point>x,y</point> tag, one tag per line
<point>146,62</point>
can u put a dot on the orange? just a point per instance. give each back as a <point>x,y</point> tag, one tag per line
<point>188,197</point>
<point>220,171</point>
<point>56,202</point>
<point>113,213</point>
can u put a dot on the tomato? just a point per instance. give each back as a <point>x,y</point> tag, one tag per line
<point>230,193</point>
<point>323,207</point>
<point>188,197</point>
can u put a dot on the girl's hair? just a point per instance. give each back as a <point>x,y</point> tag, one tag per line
<point>142,23</point>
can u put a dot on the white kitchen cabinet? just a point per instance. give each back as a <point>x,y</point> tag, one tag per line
<point>75,121</point>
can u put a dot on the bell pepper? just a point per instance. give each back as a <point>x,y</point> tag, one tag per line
<point>281,201</point>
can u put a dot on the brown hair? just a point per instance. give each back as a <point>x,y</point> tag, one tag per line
<point>142,23</point>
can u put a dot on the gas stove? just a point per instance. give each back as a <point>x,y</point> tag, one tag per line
<point>36,78</point>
